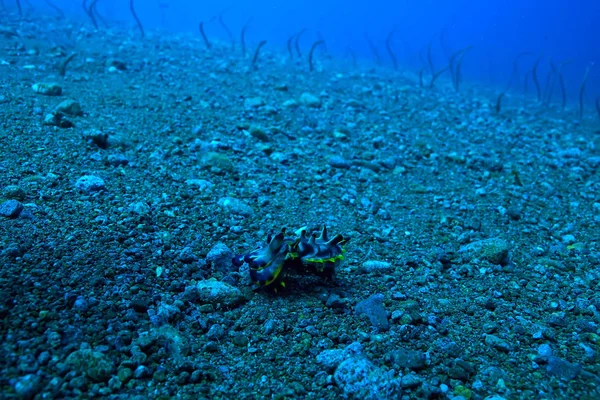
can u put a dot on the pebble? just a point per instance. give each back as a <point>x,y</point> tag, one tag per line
<point>335,301</point>
<point>97,366</point>
<point>494,250</point>
<point>117,160</point>
<point>217,162</point>
<point>235,206</point>
<point>568,239</point>
<point>214,292</point>
<point>339,162</point>
<point>139,208</point>
<point>220,257</point>
<point>376,266</point>
<point>81,304</point>
<point>200,184</point>
<point>544,350</point>
<point>57,119</point>
<point>269,326</point>
<point>142,372</point>
<point>139,305</point>
<point>27,386</point>
<point>406,358</point>
<point>69,107</point>
<point>310,100</point>
<point>90,183</point>
<point>11,208</point>
<point>215,332</point>
<point>373,308</point>
<point>497,343</point>
<point>96,137</point>
<point>114,65</point>
<point>163,314</point>
<point>411,381</point>
<point>47,89</point>
<point>187,256</point>
<point>290,104</point>
<point>115,383</point>
<point>562,369</point>
<point>330,359</point>
<point>360,378</point>
<point>254,102</point>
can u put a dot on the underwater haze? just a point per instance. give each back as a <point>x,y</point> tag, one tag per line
<point>557,31</point>
<point>312,200</point>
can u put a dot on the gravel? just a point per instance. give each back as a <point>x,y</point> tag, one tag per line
<point>471,270</point>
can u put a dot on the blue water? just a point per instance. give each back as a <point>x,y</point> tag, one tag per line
<point>556,30</point>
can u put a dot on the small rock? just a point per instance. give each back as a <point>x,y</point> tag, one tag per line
<point>411,381</point>
<point>563,369</point>
<point>568,239</point>
<point>57,119</point>
<point>572,152</point>
<point>139,208</point>
<point>360,378</point>
<point>115,383</point>
<point>217,162</point>
<point>220,257</point>
<point>494,250</point>
<point>290,104</point>
<point>376,266</point>
<point>142,372</point>
<point>330,359</point>
<point>544,350</point>
<point>215,332</point>
<point>94,364</point>
<point>117,160</point>
<point>139,305</point>
<point>335,301</point>
<point>310,100</point>
<point>211,291</point>
<point>240,340</point>
<point>497,343</point>
<point>187,256</point>
<point>235,206</point>
<point>373,308</point>
<point>163,314</point>
<point>90,183</point>
<point>47,89</point>
<point>97,137</point>
<point>69,107</point>
<point>406,358</point>
<point>113,65</point>
<point>339,162</point>
<point>14,192</point>
<point>254,102</point>
<point>11,209</point>
<point>259,133</point>
<point>26,387</point>
<point>200,184</point>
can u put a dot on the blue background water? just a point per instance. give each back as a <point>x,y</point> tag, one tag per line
<point>498,29</point>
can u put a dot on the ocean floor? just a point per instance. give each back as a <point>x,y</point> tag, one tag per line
<point>131,174</point>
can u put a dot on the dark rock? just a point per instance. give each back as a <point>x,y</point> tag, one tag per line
<point>563,369</point>
<point>406,358</point>
<point>11,209</point>
<point>139,305</point>
<point>373,308</point>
